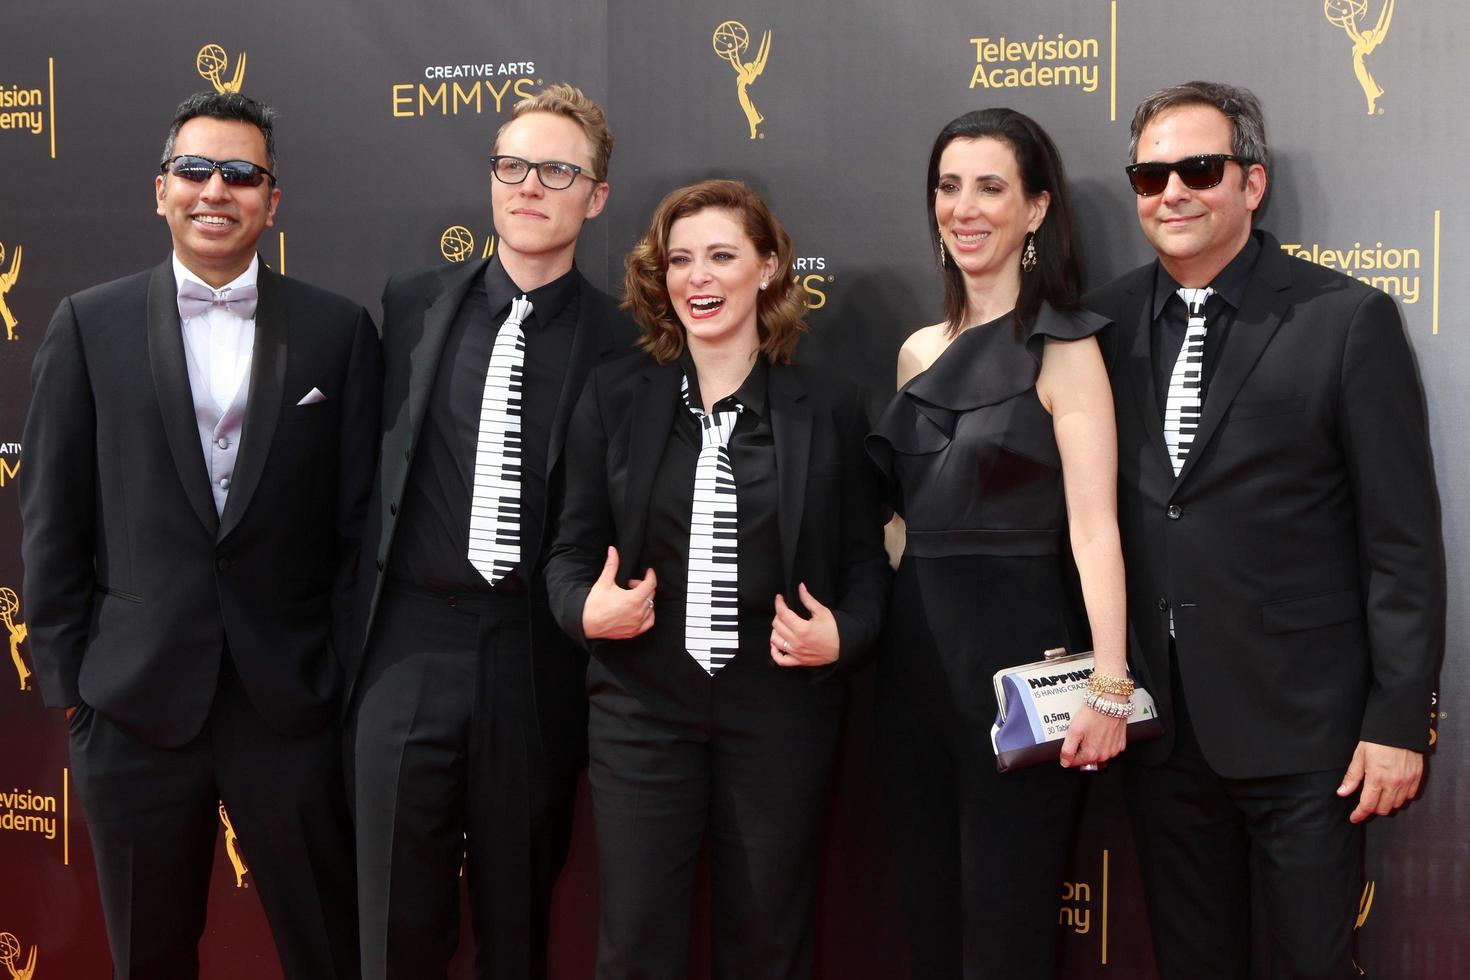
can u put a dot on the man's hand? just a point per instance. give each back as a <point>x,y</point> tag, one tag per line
<point>1389,777</point>
<point>615,613</point>
<point>798,642</point>
<point>71,711</point>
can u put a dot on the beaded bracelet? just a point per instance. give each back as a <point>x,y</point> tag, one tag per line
<point>1108,684</point>
<point>1103,706</point>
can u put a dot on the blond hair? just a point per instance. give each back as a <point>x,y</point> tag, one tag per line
<point>568,101</point>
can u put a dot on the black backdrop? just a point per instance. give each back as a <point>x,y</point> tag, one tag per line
<point>387,113</point>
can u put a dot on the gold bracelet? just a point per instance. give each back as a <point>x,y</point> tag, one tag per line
<point>1106,684</point>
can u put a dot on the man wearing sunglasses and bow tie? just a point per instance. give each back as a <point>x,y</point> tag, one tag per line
<point>1284,559</point>
<point>199,453</point>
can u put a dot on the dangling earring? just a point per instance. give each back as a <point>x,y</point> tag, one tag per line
<point>1028,257</point>
<point>941,246</point>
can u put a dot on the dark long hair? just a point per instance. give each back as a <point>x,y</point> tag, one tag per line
<point>1058,271</point>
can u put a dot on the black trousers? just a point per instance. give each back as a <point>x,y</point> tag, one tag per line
<point>153,816</point>
<point>751,769</point>
<point>984,853</point>
<point>1210,847</point>
<point>446,776</point>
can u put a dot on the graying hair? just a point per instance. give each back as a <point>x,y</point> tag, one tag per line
<point>230,106</point>
<point>1239,105</point>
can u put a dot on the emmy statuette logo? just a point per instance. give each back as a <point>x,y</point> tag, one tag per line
<point>731,42</point>
<point>211,62</point>
<point>458,244</point>
<point>1434,717</point>
<point>1365,904</point>
<point>9,613</point>
<point>10,950</point>
<point>7,280</point>
<point>232,849</point>
<point>1346,15</point>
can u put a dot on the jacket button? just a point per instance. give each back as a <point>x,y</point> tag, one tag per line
<point>1163,605</point>
<point>1174,512</point>
<point>223,564</point>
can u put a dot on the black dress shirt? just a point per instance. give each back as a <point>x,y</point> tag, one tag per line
<point>433,534</point>
<point>679,683</point>
<point>1171,318</point>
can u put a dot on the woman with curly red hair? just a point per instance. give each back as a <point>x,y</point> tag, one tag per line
<point>720,556</point>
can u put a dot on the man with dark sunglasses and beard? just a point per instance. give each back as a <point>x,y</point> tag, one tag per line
<point>199,451</point>
<point>1284,559</point>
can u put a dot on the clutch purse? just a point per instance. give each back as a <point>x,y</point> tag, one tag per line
<point>1037,702</point>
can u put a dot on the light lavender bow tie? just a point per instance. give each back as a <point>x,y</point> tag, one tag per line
<point>196,298</point>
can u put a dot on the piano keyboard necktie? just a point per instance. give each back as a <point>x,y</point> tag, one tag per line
<point>712,599</point>
<point>1183,404</point>
<point>495,507</point>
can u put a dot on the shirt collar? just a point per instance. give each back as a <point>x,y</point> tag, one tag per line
<point>246,278</point>
<point>752,391</point>
<point>546,301</point>
<point>1229,284</point>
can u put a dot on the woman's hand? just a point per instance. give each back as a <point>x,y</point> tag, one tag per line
<point>1093,738</point>
<point>613,612</point>
<point>798,642</point>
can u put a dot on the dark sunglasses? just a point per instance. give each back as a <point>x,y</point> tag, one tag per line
<point>1197,173</point>
<point>236,173</point>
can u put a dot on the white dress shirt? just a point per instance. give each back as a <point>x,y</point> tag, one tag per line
<point>217,348</point>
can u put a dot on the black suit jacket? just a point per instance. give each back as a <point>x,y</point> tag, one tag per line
<point>1299,547</point>
<point>134,585</point>
<point>418,309</point>
<point>829,512</point>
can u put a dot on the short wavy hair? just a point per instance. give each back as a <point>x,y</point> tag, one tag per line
<point>780,308</point>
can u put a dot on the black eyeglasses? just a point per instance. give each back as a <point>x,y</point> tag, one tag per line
<point>553,174</point>
<point>1198,173</point>
<point>236,173</point>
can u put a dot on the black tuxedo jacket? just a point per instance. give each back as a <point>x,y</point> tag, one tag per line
<point>828,508</point>
<point>134,585</point>
<point>418,309</point>
<point>1299,547</point>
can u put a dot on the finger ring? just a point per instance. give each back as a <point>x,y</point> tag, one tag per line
<point>650,603</point>
<point>785,646</point>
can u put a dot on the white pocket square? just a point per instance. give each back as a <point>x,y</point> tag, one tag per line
<point>312,397</point>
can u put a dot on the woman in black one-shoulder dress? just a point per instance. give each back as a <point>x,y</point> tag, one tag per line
<point>1001,457</point>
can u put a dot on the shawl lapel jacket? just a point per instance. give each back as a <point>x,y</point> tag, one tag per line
<point>135,586</point>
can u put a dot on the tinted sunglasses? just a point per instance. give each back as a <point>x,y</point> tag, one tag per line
<point>1197,173</point>
<point>236,173</point>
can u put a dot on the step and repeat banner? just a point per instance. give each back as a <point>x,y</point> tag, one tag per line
<point>829,108</point>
